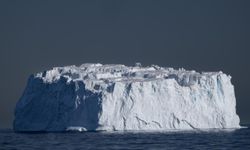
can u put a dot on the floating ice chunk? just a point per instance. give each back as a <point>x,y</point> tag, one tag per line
<point>80,129</point>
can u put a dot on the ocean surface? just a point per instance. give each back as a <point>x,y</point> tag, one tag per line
<point>192,139</point>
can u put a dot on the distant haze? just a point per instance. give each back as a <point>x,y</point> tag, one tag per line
<point>197,35</point>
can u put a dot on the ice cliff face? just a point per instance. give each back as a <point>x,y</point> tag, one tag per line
<point>117,97</point>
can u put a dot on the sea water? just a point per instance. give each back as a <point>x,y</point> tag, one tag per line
<point>189,139</point>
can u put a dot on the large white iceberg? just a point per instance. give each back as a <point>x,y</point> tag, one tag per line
<point>117,97</point>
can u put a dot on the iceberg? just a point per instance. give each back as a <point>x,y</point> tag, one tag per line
<point>97,97</point>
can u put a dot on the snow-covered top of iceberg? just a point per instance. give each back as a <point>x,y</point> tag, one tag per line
<point>121,73</point>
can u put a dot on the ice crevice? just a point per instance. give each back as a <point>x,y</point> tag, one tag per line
<point>141,121</point>
<point>157,123</point>
<point>188,123</point>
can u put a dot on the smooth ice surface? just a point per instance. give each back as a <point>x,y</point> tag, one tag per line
<point>117,97</point>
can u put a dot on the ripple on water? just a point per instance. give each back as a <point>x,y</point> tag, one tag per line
<point>196,139</point>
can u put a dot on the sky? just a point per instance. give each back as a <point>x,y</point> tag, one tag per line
<point>197,35</point>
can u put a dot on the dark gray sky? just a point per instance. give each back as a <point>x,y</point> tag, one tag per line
<point>202,35</point>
